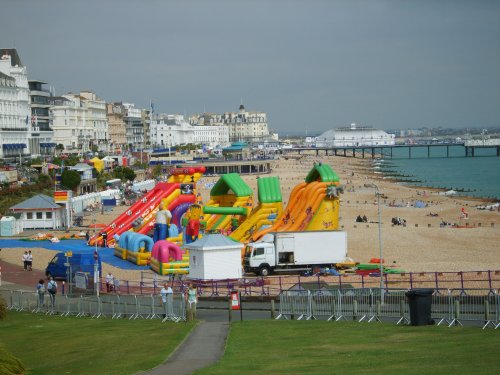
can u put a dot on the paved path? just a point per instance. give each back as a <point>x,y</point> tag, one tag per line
<point>203,347</point>
<point>13,273</point>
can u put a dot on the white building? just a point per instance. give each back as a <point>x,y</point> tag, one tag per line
<point>15,119</point>
<point>242,125</point>
<point>134,126</point>
<point>40,212</point>
<point>211,135</point>
<point>79,122</point>
<point>354,136</point>
<point>171,130</point>
<point>41,136</point>
<point>214,257</point>
<point>246,126</point>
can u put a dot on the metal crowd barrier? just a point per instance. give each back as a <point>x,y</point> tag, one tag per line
<point>295,303</point>
<point>111,306</point>
<point>450,307</point>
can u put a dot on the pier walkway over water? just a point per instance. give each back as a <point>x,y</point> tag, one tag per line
<point>462,149</point>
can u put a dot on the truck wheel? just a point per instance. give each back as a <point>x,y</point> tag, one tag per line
<point>264,271</point>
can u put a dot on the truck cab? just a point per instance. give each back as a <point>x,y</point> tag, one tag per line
<point>79,262</point>
<point>259,258</point>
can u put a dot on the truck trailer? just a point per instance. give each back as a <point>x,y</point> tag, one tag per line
<point>295,251</point>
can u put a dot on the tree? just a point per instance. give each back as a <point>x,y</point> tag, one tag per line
<point>44,179</point>
<point>124,173</point>
<point>157,171</point>
<point>70,179</point>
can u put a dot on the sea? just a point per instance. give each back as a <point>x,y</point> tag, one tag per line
<point>477,176</point>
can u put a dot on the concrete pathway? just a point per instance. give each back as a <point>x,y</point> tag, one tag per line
<point>203,347</point>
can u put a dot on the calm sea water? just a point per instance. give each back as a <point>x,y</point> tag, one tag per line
<point>476,176</point>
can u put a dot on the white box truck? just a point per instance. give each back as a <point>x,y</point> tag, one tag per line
<point>295,251</point>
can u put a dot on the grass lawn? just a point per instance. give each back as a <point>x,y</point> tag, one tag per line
<point>315,347</point>
<point>57,345</point>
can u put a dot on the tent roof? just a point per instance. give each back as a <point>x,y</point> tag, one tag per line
<point>213,241</point>
<point>37,202</point>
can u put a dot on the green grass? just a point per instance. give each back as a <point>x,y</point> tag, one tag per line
<point>9,365</point>
<point>291,347</point>
<point>57,345</point>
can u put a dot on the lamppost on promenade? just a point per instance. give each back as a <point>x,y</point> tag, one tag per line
<point>377,193</point>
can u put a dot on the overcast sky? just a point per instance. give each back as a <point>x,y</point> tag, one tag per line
<point>311,65</point>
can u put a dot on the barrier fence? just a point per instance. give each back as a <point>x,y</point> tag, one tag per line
<point>109,306</point>
<point>452,307</point>
<point>462,282</point>
<point>274,285</point>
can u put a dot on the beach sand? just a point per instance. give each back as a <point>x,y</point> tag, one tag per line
<point>421,246</point>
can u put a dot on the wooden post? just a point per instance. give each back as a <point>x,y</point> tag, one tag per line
<point>273,310</point>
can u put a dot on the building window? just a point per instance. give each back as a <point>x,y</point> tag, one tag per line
<point>39,215</point>
<point>29,215</point>
<point>48,215</point>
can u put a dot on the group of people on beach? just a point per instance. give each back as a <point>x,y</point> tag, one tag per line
<point>361,219</point>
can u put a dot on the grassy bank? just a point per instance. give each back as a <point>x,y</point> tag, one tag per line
<point>284,347</point>
<point>57,345</point>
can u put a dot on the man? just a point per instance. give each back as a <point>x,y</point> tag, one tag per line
<point>167,300</point>
<point>25,260</point>
<point>105,239</point>
<point>109,282</point>
<point>30,261</point>
<point>52,289</point>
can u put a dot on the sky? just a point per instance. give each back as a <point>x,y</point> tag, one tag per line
<point>311,65</point>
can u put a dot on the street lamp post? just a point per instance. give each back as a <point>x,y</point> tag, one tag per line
<point>96,258</point>
<point>377,193</point>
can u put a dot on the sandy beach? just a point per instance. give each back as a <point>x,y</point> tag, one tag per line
<point>421,245</point>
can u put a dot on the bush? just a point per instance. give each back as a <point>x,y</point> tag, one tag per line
<point>3,308</point>
<point>70,179</point>
<point>10,365</point>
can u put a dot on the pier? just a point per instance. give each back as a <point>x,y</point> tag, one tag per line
<point>466,149</point>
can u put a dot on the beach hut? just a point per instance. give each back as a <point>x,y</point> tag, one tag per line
<point>214,257</point>
<point>39,212</point>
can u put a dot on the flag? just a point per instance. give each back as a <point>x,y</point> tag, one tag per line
<point>27,119</point>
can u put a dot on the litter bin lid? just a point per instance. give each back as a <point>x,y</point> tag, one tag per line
<point>419,292</point>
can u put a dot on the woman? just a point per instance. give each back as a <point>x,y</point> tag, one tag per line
<point>40,289</point>
<point>192,300</point>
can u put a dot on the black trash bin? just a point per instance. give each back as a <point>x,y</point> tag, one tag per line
<point>420,301</point>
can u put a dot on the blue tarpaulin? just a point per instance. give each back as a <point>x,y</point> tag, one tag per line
<point>77,246</point>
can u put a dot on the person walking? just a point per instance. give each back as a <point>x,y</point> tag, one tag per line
<point>52,289</point>
<point>87,237</point>
<point>25,260</point>
<point>40,289</point>
<point>167,301</point>
<point>30,261</point>
<point>109,282</point>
